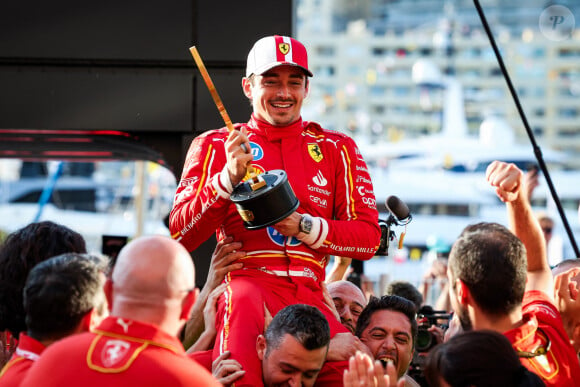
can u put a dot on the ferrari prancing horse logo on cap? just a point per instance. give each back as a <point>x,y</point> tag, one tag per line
<point>284,48</point>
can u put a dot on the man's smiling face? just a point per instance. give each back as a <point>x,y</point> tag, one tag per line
<point>389,337</point>
<point>277,95</point>
<point>289,363</point>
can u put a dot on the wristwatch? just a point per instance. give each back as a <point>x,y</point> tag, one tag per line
<point>305,224</point>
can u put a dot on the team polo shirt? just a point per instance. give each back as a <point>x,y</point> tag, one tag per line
<point>120,352</point>
<point>27,352</point>
<point>543,331</point>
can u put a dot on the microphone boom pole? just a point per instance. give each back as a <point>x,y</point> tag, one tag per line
<point>537,150</point>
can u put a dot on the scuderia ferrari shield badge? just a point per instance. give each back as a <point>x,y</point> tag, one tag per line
<point>315,153</point>
<point>284,48</point>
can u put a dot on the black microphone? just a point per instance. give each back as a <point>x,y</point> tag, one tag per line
<point>399,214</point>
<point>398,209</point>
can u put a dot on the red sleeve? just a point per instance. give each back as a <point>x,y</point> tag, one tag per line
<point>539,304</point>
<point>354,231</point>
<point>535,298</point>
<point>202,197</point>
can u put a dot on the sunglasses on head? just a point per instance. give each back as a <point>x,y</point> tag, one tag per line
<point>539,351</point>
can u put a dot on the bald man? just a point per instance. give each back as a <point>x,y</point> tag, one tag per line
<point>566,289</point>
<point>152,291</point>
<point>349,302</point>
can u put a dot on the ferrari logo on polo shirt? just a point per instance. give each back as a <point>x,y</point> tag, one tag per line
<point>112,356</point>
<point>113,352</point>
<point>284,48</point>
<point>315,153</point>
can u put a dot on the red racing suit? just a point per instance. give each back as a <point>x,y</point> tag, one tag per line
<point>330,179</point>
<point>328,175</point>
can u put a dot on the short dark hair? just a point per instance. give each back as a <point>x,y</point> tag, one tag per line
<point>567,264</point>
<point>478,358</point>
<point>60,291</point>
<point>21,250</point>
<point>393,303</point>
<point>492,263</point>
<point>303,322</point>
<point>406,290</point>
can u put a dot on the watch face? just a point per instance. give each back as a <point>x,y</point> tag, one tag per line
<point>306,225</point>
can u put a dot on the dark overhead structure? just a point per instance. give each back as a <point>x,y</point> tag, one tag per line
<point>124,66</point>
<point>115,80</point>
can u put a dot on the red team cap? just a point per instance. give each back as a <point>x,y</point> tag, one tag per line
<point>272,51</point>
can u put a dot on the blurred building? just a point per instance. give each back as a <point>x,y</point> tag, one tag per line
<point>362,53</point>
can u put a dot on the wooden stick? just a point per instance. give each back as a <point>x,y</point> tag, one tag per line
<point>211,87</point>
<point>218,102</point>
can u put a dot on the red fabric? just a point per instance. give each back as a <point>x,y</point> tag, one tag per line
<point>560,366</point>
<point>26,354</point>
<point>241,309</point>
<point>119,352</point>
<point>331,374</point>
<point>298,52</point>
<point>331,181</point>
<point>203,358</point>
<point>337,188</point>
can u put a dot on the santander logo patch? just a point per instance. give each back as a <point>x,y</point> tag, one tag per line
<point>319,180</point>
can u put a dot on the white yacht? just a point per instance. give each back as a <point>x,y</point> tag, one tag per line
<point>441,178</point>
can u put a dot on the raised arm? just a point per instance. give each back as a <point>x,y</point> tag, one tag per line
<point>340,269</point>
<point>508,182</point>
<point>213,166</point>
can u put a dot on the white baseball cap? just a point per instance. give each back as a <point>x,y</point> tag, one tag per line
<point>272,51</point>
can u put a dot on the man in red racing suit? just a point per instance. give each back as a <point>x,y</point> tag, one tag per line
<point>284,263</point>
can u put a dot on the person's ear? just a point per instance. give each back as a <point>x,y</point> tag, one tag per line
<point>187,304</point>
<point>88,321</point>
<point>261,346</point>
<point>108,289</point>
<point>462,291</point>
<point>247,87</point>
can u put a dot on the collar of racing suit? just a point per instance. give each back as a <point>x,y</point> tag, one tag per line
<point>276,133</point>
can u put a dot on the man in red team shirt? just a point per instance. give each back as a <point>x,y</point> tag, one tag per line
<point>62,296</point>
<point>285,263</point>
<point>151,294</point>
<point>498,284</point>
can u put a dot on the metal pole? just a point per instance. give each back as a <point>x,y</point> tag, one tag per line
<point>48,190</point>
<point>537,150</point>
<point>140,198</point>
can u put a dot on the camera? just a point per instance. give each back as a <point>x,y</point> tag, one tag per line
<point>387,236</point>
<point>426,340</point>
<point>426,317</point>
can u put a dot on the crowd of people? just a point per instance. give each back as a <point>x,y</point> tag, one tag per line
<point>266,315</point>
